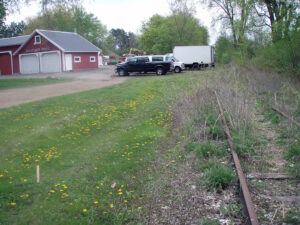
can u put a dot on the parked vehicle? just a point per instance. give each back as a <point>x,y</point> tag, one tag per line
<point>195,56</point>
<point>178,66</point>
<point>142,64</point>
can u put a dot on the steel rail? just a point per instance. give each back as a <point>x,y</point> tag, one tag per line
<point>286,116</point>
<point>249,207</point>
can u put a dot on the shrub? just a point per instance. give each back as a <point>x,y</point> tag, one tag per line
<point>293,154</point>
<point>218,177</point>
<point>292,218</point>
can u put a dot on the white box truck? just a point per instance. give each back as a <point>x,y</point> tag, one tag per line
<point>195,57</point>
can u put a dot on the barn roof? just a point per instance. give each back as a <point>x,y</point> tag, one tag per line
<point>68,41</point>
<point>12,41</point>
<point>65,41</point>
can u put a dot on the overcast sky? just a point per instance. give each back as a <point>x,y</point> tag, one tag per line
<point>126,14</point>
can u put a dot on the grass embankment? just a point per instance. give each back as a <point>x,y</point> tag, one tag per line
<point>148,151</point>
<point>94,150</point>
<point>19,82</point>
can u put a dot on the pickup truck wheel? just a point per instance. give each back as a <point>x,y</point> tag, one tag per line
<point>123,73</point>
<point>159,71</point>
<point>177,69</point>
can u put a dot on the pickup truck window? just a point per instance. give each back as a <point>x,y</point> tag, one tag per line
<point>132,60</point>
<point>157,59</point>
<point>144,59</point>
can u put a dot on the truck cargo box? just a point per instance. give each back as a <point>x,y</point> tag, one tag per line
<point>195,56</point>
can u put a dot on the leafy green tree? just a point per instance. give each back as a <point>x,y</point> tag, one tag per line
<point>12,30</point>
<point>160,34</point>
<point>87,25</point>
<point>2,13</point>
<point>76,19</point>
<point>57,19</point>
<point>122,41</point>
<point>279,15</point>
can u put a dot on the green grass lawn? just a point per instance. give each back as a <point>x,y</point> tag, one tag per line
<point>19,82</point>
<point>94,150</point>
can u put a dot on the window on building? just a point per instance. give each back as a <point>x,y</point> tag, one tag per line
<point>92,59</point>
<point>37,39</point>
<point>77,59</point>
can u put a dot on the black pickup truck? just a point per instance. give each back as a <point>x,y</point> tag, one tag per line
<point>142,65</point>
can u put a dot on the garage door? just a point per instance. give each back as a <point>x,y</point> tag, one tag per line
<point>5,64</point>
<point>50,62</point>
<point>29,64</point>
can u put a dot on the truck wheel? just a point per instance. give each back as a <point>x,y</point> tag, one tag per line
<point>123,73</point>
<point>159,71</point>
<point>196,66</point>
<point>177,69</point>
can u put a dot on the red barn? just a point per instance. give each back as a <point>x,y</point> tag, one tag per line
<point>47,51</point>
<point>9,64</point>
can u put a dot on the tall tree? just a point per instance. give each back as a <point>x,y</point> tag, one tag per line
<point>123,41</point>
<point>89,26</point>
<point>182,11</point>
<point>281,16</point>
<point>2,13</point>
<point>12,30</point>
<point>160,34</point>
<point>76,19</point>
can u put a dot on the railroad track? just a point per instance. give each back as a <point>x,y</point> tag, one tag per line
<point>249,208</point>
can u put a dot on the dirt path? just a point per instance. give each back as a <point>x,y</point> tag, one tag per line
<point>82,82</point>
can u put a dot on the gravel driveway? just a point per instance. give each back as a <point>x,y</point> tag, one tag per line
<point>81,81</point>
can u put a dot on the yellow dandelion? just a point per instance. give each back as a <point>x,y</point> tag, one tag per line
<point>96,202</point>
<point>12,203</point>
<point>84,210</point>
<point>1,175</point>
<point>25,180</point>
<point>125,201</point>
<point>111,206</point>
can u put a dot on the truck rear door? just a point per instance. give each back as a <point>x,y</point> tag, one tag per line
<point>141,64</point>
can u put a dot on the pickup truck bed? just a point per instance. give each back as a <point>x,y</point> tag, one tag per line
<point>142,64</point>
